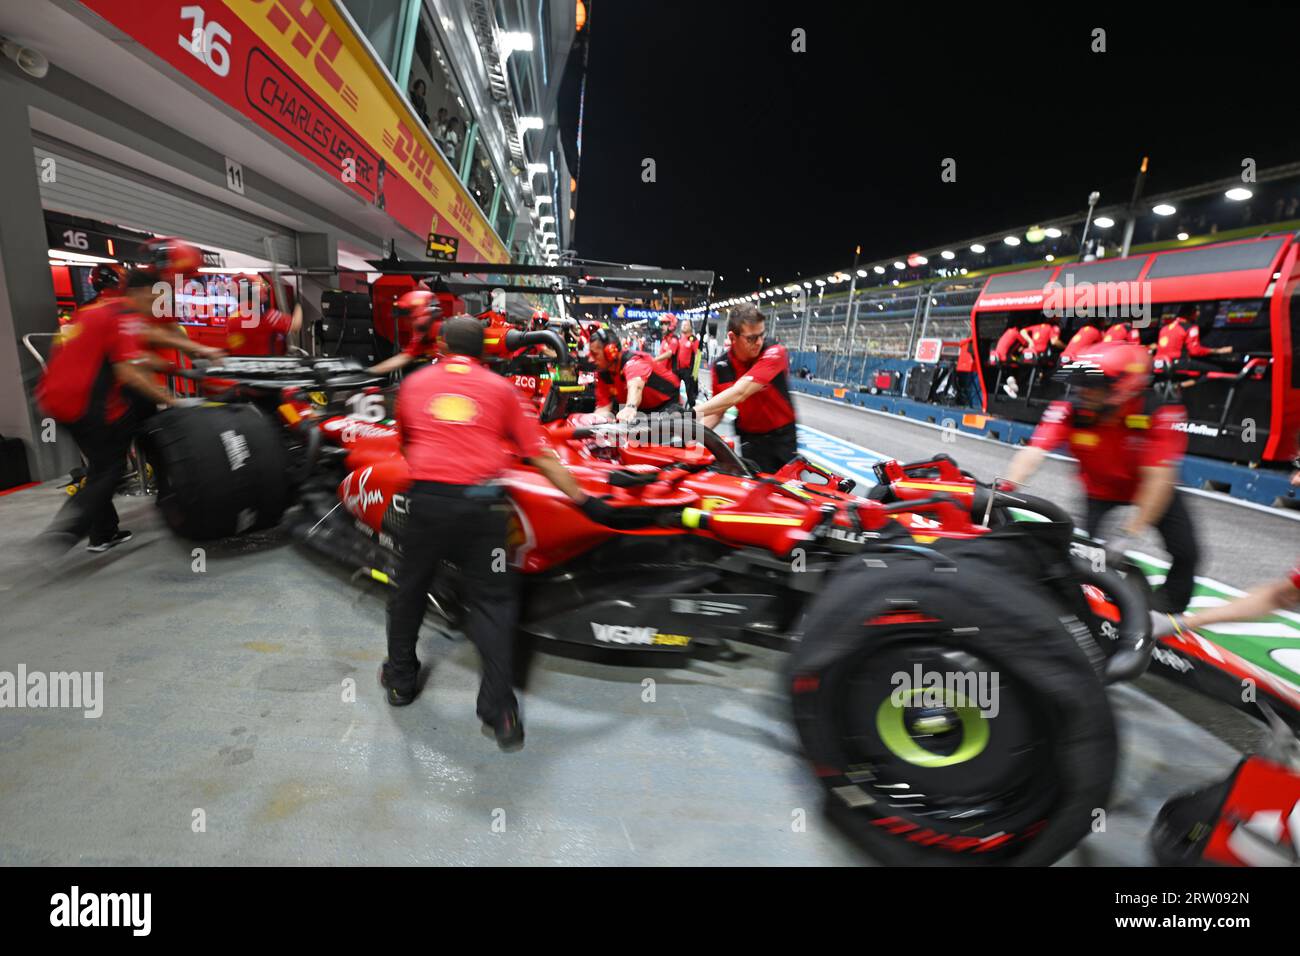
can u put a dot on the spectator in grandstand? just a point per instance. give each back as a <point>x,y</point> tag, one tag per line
<point>439,129</point>
<point>417,102</point>
<point>1129,448</point>
<point>1087,336</point>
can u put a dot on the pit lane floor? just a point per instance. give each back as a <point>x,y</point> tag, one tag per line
<point>231,734</point>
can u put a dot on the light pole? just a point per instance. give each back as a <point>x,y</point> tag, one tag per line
<point>1093,197</point>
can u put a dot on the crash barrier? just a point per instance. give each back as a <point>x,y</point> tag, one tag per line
<point>1258,485</point>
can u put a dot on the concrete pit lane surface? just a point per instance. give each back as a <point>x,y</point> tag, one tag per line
<point>242,722</point>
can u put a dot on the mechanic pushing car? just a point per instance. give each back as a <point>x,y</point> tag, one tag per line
<point>636,380</point>
<point>1129,451</point>
<point>98,384</point>
<point>461,426</point>
<point>171,261</point>
<point>421,307</point>
<point>262,329</point>
<point>757,381</point>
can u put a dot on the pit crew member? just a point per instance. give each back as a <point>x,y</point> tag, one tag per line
<point>108,279</point>
<point>171,261</point>
<point>688,363</point>
<point>1039,338</point>
<point>1178,345</point>
<point>636,380</point>
<point>265,331</point>
<point>1009,345</point>
<point>421,307</point>
<point>98,386</point>
<point>1082,340</point>
<point>668,340</point>
<point>461,426</point>
<point>1129,451</point>
<point>756,380</point>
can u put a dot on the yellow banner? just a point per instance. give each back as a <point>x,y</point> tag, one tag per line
<point>318,44</point>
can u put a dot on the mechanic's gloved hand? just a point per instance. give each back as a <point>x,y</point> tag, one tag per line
<point>1116,550</point>
<point>626,414</point>
<point>625,518</point>
<point>1004,484</point>
<point>597,510</point>
<point>1164,624</point>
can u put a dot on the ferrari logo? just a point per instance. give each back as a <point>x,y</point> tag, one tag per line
<point>1087,439</point>
<point>453,408</point>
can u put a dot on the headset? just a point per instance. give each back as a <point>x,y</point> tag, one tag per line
<point>609,342</point>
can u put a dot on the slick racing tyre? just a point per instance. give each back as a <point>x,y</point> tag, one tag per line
<point>220,470</point>
<point>949,712</point>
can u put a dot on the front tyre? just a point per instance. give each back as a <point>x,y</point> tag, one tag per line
<point>951,715</point>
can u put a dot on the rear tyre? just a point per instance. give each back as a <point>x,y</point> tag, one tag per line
<point>220,470</point>
<point>939,777</point>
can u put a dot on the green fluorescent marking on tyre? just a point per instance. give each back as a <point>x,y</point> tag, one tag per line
<point>974,732</point>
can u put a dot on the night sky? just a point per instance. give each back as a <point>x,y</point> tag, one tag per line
<point>780,162</point>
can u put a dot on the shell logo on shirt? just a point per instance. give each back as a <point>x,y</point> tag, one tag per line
<point>456,409</point>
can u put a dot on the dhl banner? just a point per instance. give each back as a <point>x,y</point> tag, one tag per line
<point>296,69</point>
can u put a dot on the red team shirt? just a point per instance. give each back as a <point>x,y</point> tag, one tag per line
<point>686,352</point>
<point>1177,336</point>
<point>1086,336</point>
<point>463,425</point>
<point>765,410</point>
<point>1041,336</point>
<point>661,382</point>
<point>1009,342</point>
<point>425,346</point>
<point>1119,332</point>
<point>79,382</point>
<point>1111,454</point>
<point>257,334</point>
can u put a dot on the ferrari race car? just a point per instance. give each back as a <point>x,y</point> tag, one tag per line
<point>947,660</point>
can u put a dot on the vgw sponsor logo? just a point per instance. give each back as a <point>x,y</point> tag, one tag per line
<point>922,688</point>
<point>75,690</point>
<point>620,634</point>
<point>76,909</point>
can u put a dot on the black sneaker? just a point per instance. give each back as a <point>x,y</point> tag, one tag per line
<point>509,731</point>
<point>121,537</point>
<point>396,698</point>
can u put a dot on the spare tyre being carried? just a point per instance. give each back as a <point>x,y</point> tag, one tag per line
<point>220,469</point>
<point>953,708</point>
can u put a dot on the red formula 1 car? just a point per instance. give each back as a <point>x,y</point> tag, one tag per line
<point>947,664</point>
